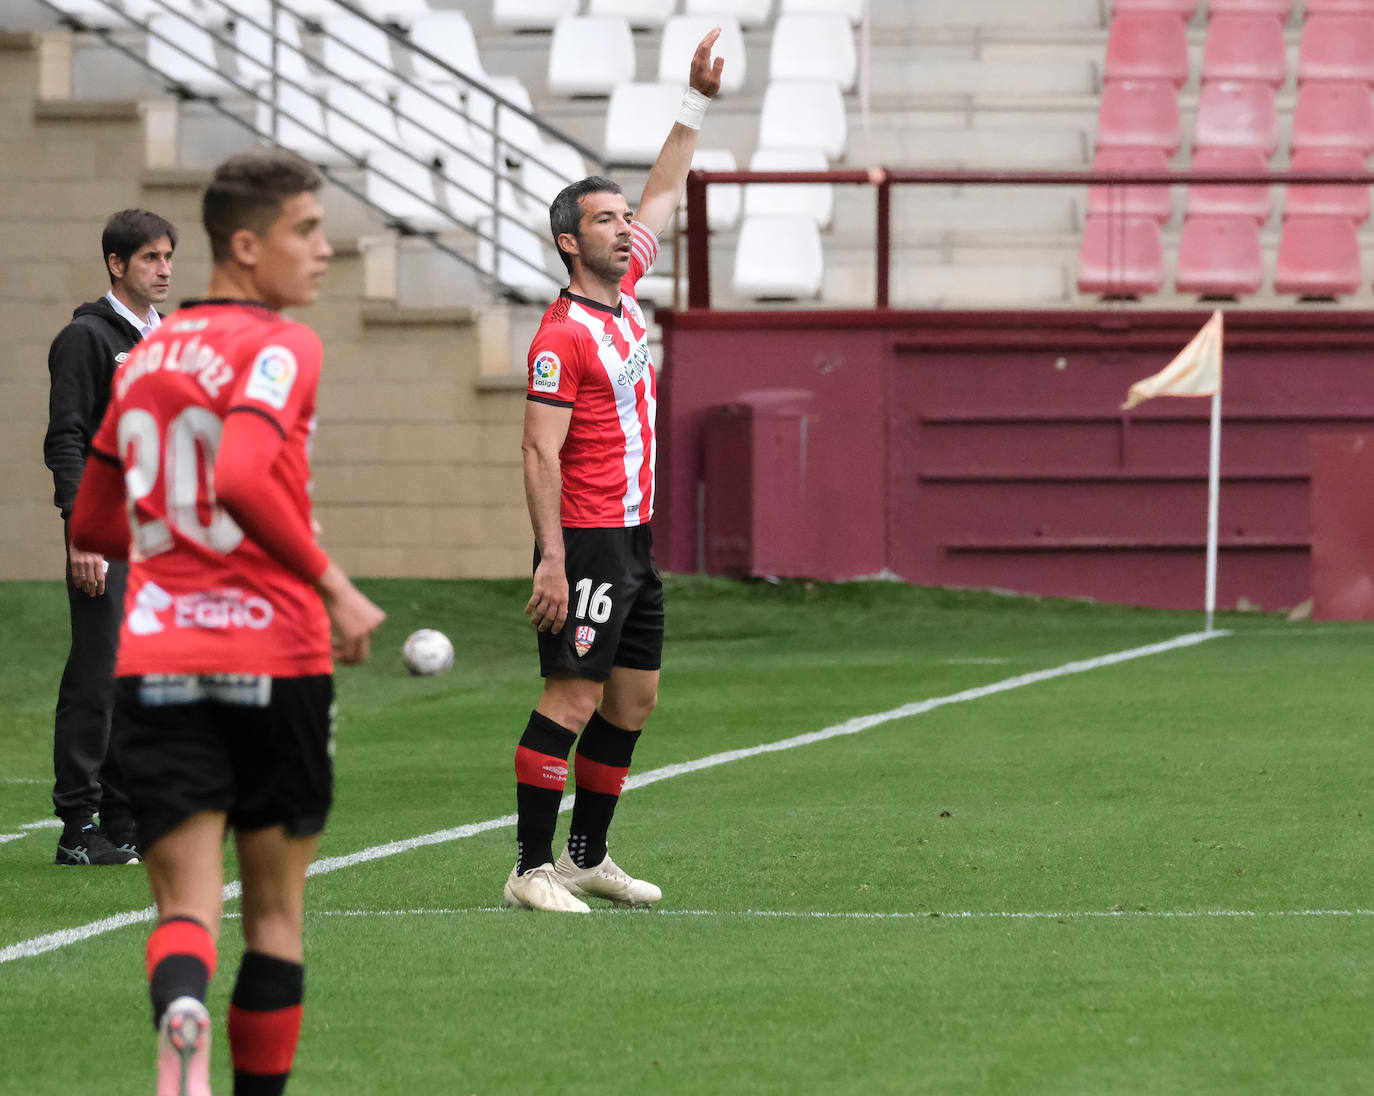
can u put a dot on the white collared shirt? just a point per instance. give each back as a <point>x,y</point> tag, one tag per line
<point>146,326</point>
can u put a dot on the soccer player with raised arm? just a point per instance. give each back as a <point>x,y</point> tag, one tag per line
<point>589,482</point>
<point>199,474</point>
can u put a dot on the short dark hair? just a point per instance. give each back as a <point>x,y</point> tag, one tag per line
<point>565,212</point>
<point>248,190</point>
<point>128,230</point>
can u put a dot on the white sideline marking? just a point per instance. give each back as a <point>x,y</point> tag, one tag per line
<point>38,945</point>
<point>11,837</point>
<point>42,824</point>
<point>22,780</point>
<point>930,915</point>
<point>975,661</point>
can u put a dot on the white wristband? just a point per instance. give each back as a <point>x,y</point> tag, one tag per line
<point>693,109</point>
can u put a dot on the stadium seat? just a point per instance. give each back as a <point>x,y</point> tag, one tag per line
<point>722,199</point>
<point>469,188</point>
<point>778,257</point>
<point>681,35</point>
<point>1143,201</point>
<point>1245,47</point>
<point>403,13</point>
<point>299,124</point>
<point>814,200</point>
<point>360,119</point>
<point>404,188</point>
<point>591,54</point>
<point>530,14</point>
<point>750,13</point>
<point>1307,200</point>
<point>448,36</point>
<point>547,170</point>
<point>1147,46</point>
<point>1279,9</point>
<point>357,51</point>
<point>254,46</point>
<point>1337,48</point>
<point>1120,257</point>
<point>640,13</point>
<point>488,119</point>
<point>851,9</point>
<point>1219,257</point>
<point>1182,8</point>
<point>1334,116</point>
<point>431,121</point>
<point>803,114</point>
<point>1318,257</point>
<point>1339,7</point>
<point>1237,114</point>
<point>1240,200</point>
<point>1139,114</point>
<point>813,46</point>
<point>637,117</point>
<point>92,14</point>
<point>521,264</point>
<point>184,53</point>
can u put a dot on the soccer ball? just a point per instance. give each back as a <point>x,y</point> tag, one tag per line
<point>427,652</point>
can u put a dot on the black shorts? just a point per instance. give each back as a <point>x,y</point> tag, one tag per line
<point>615,605</point>
<point>257,748</point>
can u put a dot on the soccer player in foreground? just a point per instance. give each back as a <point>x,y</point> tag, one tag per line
<point>224,686</point>
<point>589,482</point>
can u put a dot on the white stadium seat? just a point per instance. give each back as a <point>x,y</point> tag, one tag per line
<point>403,13</point>
<point>530,14</point>
<point>299,124</point>
<point>522,264</point>
<point>405,189</point>
<point>555,167</point>
<point>778,257</point>
<point>722,199</point>
<point>92,13</point>
<point>682,34</point>
<point>814,200</point>
<point>360,119</point>
<point>641,13</point>
<point>852,10</point>
<point>431,120</point>
<point>517,132</point>
<point>638,119</point>
<point>810,46</point>
<point>804,114</point>
<point>590,55</point>
<point>448,35</point>
<point>357,51</point>
<point>191,61</point>
<point>469,188</point>
<point>253,47</point>
<point>750,13</point>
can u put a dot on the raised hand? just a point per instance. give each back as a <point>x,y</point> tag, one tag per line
<point>705,74</point>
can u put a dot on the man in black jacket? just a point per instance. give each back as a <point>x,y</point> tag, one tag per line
<point>138,247</point>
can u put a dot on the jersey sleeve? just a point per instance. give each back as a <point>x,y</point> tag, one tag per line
<point>643,252</point>
<point>555,364</point>
<point>281,380</point>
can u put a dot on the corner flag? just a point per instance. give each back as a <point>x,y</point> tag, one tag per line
<point>1196,372</point>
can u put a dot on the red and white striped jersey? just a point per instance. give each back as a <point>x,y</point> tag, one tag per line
<point>595,359</point>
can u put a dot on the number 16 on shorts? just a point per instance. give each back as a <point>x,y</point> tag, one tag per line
<point>591,605</point>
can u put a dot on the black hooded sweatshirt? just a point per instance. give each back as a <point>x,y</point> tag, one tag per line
<point>82,363</point>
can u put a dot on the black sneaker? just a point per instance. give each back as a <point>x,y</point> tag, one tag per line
<point>89,845</point>
<point>122,835</point>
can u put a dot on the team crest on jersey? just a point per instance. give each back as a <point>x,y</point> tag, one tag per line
<point>545,372</point>
<point>582,642</point>
<point>272,375</point>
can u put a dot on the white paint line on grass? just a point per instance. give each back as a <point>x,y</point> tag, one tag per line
<point>42,824</point>
<point>11,837</point>
<point>52,941</point>
<point>23,780</point>
<point>857,915</point>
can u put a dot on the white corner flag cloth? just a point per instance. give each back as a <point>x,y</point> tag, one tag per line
<point>1195,372</point>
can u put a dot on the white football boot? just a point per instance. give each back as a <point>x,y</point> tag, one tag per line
<point>605,880</point>
<point>183,1049</point>
<point>541,889</point>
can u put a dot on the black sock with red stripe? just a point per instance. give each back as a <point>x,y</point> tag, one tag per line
<point>265,1023</point>
<point>599,770</point>
<point>181,961</point>
<point>541,774</point>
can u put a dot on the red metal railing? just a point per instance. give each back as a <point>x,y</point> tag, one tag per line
<point>698,239</point>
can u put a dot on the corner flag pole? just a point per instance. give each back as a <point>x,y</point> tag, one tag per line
<point>1213,491</point>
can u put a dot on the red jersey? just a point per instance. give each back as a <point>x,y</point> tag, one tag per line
<point>202,597</point>
<point>595,359</point>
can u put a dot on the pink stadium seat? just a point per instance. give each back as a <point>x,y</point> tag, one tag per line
<point>1318,257</point>
<point>1140,201</point>
<point>1139,114</point>
<point>1241,200</point>
<point>1337,47</point>
<point>1245,47</point>
<point>1334,116</point>
<point>1182,8</point>
<point>1219,257</point>
<point>1147,46</point>
<point>1237,114</point>
<point>1339,7</point>
<point>1120,257</point>
<point>1277,8</point>
<point>1328,201</point>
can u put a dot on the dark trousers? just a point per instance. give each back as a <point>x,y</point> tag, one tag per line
<point>88,778</point>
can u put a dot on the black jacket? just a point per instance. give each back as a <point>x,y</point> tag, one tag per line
<point>82,363</point>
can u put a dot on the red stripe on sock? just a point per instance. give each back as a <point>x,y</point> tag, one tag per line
<point>180,938</point>
<point>596,777</point>
<point>264,1042</point>
<point>540,770</point>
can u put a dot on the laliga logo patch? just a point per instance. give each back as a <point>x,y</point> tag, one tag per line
<point>272,375</point>
<point>545,371</point>
<point>584,639</point>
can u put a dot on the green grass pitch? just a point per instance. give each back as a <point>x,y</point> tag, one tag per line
<point>1151,877</point>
